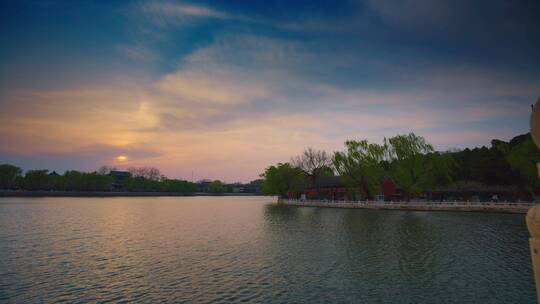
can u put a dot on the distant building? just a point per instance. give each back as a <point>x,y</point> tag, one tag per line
<point>329,187</point>
<point>118,178</point>
<point>203,185</point>
<point>53,174</point>
<point>473,191</point>
<point>254,186</point>
<point>235,188</point>
<point>333,188</point>
<point>391,191</point>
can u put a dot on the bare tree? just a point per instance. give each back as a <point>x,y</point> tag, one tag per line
<point>146,172</point>
<point>314,164</point>
<point>104,170</point>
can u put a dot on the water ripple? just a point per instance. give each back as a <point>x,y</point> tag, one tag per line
<point>245,250</point>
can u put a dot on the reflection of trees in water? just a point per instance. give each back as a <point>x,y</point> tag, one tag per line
<point>278,213</point>
<point>303,243</point>
<point>417,256</point>
<point>360,223</point>
<point>287,245</point>
<point>418,249</point>
<point>362,234</point>
<point>383,248</point>
<point>365,240</point>
<point>359,244</point>
<point>305,217</point>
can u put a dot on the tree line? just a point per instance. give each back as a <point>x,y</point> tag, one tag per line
<point>140,179</point>
<point>411,162</point>
<point>145,179</point>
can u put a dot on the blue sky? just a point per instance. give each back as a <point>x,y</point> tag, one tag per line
<point>225,88</point>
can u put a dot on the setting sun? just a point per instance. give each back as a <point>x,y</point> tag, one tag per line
<point>270,151</point>
<point>121,158</point>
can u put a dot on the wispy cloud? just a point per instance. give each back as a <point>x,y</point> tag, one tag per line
<point>238,93</point>
<point>423,15</point>
<point>220,87</point>
<point>138,52</point>
<point>180,10</point>
<point>165,13</point>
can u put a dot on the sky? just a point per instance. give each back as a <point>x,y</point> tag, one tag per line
<point>223,89</point>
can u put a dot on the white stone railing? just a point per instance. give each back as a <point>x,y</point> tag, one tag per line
<point>420,205</point>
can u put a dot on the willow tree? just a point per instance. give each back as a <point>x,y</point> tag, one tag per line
<point>281,179</point>
<point>361,166</point>
<point>415,166</point>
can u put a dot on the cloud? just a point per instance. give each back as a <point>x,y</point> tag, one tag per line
<point>168,13</point>
<point>87,158</point>
<point>58,120</point>
<point>220,87</point>
<point>179,10</point>
<point>138,52</point>
<point>418,14</point>
<point>244,101</point>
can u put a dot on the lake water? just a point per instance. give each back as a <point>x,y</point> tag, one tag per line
<point>247,249</point>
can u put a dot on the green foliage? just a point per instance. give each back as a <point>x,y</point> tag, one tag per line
<point>9,176</point>
<point>523,158</point>
<point>70,181</point>
<point>175,185</point>
<point>281,179</point>
<point>37,180</point>
<point>414,165</point>
<point>486,165</point>
<point>440,169</point>
<point>406,146</point>
<point>216,187</point>
<point>141,184</point>
<point>83,181</point>
<point>326,171</point>
<point>505,163</point>
<point>421,172</point>
<point>361,166</point>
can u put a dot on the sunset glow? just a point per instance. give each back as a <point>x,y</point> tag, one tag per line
<point>223,90</point>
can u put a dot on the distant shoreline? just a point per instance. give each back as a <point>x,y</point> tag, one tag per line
<point>25,193</point>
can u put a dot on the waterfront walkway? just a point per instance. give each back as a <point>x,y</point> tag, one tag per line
<point>501,207</point>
